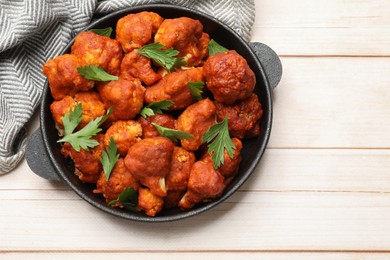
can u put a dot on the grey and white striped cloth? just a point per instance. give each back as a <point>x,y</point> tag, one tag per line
<point>34,31</point>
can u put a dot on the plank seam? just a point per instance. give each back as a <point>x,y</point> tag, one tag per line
<point>88,251</point>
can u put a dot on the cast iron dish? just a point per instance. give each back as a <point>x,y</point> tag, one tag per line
<point>43,152</point>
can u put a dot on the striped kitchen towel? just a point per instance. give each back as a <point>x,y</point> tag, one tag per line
<point>34,31</point>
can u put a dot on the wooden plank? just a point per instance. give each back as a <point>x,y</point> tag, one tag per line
<point>195,255</point>
<point>247,221</point>
<point>332,103</point>
<point>322,170</point>
<point>322,27</point>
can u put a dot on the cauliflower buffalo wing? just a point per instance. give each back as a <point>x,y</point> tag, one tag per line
<point>124,96</point>
<point>149,161</point>
<point>244,116</point>
<point>64,79</point>
<point>125,133</point>
<point>61,107</point>
<point>196,119</point>
<point>229,77</point>
<point>91,103</point>
<point>185,35</point>
<point>204,183</point>
<point>135,30</point>
<point>148,202</point>
<point>98,50</point>
<point>148,130</point>
<point>120,179</point>
<point>87,163</point>
<point>134,65</point>
<point>177,179</point>
<point>174,87</point>
<point>230,166</point>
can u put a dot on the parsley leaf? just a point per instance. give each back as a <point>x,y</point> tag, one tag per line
<point>103,32</point>
<point>222,141</point>
<point>128,198</point>
<point>196,89</point>
<point>92,72</point>
<point>172,134</point>
<point>72,119</point>
<point>109,158</point>
<point>215,47</point>
<point>166,58</point>
<point>155,108</point>
<point>81,138</point>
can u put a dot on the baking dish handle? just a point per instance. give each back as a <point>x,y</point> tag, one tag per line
<point>38,159</point>
<point>270,62</point>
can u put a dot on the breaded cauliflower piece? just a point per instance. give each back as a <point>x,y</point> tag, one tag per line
<point>185,35</point>
<point>149,161</point>
<point>205,183</point>
<point>120,179</point>
<point>174,87</point>
<point>177,179</point>
<point>98,50</point>
<point>124,96</point>
<point>125,133</point>
<point>135,30</point>
<point>149,130</point>
<point>229,77</point>
<point>231,165</point>
<point>196,119</point>
<point>244,116</point>
<point>87,163</point>
<point>148,202</point>
<point>64,79</point>
<point>134,65</point>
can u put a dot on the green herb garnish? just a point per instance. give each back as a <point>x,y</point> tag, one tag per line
<point>219,135</point>
<point>72,119</point>
<point>196,89</point>
<point>109,158</point>
<point>172,134</point>
<point>103,32</point>
<point>92,72</point>
<point>166,58</point>
<point>81,138</point>
<point>128,198</point>
<point>215,47</point>
<point>155,108</point>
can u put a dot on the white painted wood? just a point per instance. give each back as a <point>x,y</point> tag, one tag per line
<point>195,255</point>
<point>332,103</point>
<point>321,27</point>
<point>247,221</point>
<point>322,170</point>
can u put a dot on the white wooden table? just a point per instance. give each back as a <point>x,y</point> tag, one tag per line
<point>322,190</point>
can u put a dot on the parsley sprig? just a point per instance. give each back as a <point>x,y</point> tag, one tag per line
<point>96,73</point>
<point>102,31</point>
<point>109,158</point>
<point>196,89</point>
<point>219,139</point>
<point>172,134</point>
<point>128,198</point>
<point>215,47</point>
<point>155,108</point>
<point>165,58</point>
<point>82,137</point>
